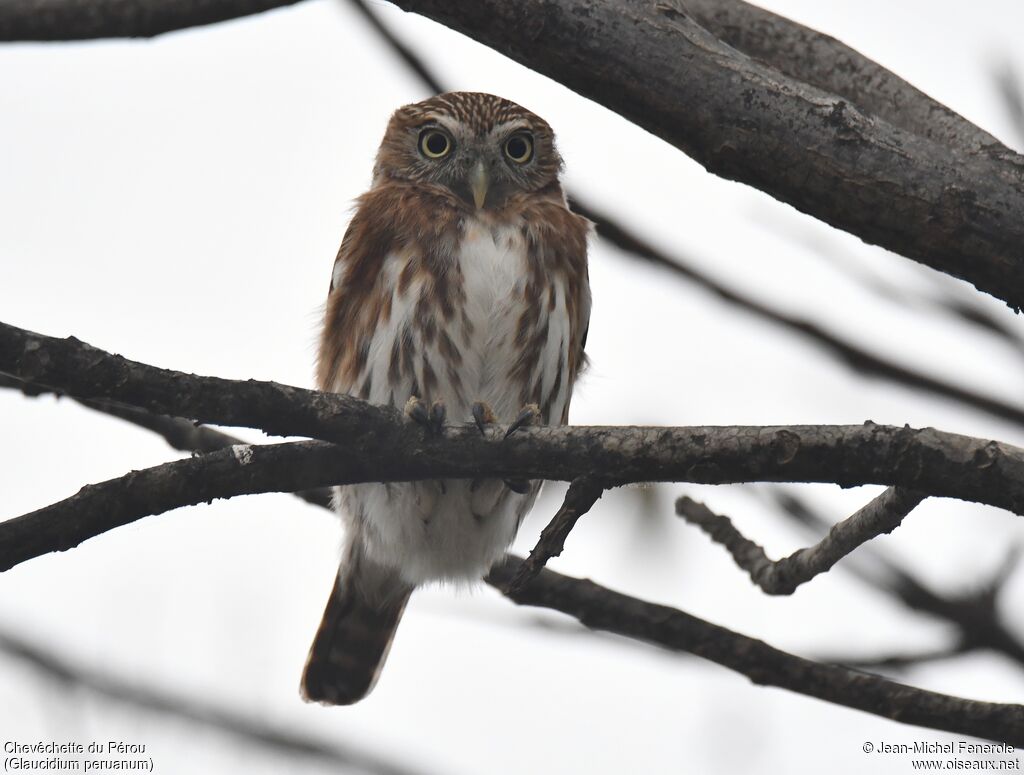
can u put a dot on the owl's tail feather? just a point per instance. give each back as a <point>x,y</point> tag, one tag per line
<point>354,637</point>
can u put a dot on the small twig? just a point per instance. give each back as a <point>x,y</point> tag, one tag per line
<point>975,614</point>
<point>1011,90</point>
<point>582,494</point>
<point>782,577</point>
<point>87,19</point>
<point>898,662</point>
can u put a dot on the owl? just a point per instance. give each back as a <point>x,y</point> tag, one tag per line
<point>460,292</point>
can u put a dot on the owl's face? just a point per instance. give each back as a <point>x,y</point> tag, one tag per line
<point>482,148</point>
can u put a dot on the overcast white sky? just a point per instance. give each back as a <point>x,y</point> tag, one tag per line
<point>180,201</point>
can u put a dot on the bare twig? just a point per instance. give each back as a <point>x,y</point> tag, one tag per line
<point>975,613</point>
<point>781,577</point>
<point>68,674</point>
<point>1011,90</point>
<point>412,60</point>
<point>51,20</point>
<point>603,609</point>
<point>579,499</point>
<point>896,661</point>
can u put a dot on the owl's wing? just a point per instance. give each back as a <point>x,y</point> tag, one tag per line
<point>397,230</point>
<point>355,298</point>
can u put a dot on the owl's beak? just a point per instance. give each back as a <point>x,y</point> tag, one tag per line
<point>478,183</point>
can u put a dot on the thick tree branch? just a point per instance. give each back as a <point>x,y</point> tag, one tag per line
<point>959,212</point>
<point>940,463</point>
<point>376,445</point>
<point>45,20</point>
<point>781,577</point>
<point>820,60</point>
<point>603,609</point>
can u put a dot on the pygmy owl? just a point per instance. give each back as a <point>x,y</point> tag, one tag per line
<point>460,292</point>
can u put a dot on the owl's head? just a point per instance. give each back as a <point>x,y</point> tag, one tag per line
<point>481,147</point>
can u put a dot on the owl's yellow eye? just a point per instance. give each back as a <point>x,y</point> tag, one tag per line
<point>434,143</point>
<point>519,148</point>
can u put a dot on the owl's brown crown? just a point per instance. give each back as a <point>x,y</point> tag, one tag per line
<point>479,112</point>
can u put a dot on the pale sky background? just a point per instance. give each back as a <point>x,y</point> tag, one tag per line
<point>180,201</point>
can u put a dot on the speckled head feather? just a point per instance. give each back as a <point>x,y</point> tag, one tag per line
<point>478,125</point>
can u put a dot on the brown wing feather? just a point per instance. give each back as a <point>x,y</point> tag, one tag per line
<point>416,223</point>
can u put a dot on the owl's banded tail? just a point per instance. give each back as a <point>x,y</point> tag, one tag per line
<point>354,636</point>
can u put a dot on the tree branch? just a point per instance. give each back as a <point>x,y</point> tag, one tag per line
<point>581,496</point>
<point>603,609</point>
<point>612,612</point>
<point>959,212</point>
<point>974,613</point>
<point>781,577</point>
<point>377,445</point>
<point>942,463</point>
<point>53,20</point>
<point>822,61</point>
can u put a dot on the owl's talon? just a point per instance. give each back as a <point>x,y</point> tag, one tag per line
<point>483,416</point>
<point>416,410</point>
<point>528,415</point>
<point>438,415</point>
<point>518,486</point>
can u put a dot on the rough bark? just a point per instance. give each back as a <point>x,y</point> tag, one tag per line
<point>829,64</point>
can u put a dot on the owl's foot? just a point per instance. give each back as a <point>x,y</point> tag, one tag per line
<point>432,418</point>
<point>518,486</point>
<point>483,416</point>
<point>528,415</point>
